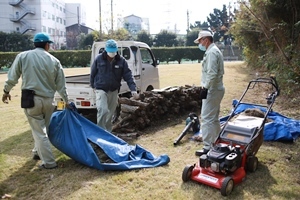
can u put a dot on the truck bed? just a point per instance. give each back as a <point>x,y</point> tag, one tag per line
<point>85,78</point>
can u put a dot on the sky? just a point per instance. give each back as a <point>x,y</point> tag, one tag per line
<point>162,14</point>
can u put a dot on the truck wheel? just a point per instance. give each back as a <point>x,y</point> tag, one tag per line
<point>187,173</point>
<point>227,186</point>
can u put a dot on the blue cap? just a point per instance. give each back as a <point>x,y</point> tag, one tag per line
<point>111,46</point>
<point>42,37</point>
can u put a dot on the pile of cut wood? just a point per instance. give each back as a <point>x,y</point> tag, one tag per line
<point>154,106</point>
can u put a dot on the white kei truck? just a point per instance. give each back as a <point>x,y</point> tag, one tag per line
<point>140,60</point>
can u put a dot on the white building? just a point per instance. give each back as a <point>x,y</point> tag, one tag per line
<point>33,16</point>
<point>135,24</point>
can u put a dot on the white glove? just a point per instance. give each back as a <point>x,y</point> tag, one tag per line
<point>135,95</point>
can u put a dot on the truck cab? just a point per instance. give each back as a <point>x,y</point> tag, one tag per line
<point>140,60</point>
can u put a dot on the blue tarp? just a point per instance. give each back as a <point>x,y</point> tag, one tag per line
<point>281,128</point>
<point>70,133</point>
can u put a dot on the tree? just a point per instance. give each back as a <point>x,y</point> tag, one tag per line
<point>219,22</point>
<point>145,37</point>
<point>119,34</point>
<point>269,32</point>
<point>199,26</point>
<point>191,36</point>
<point>15,41</point>
<point>165,39</point>
<point>86,41</point>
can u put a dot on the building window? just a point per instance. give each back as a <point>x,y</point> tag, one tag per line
<point>49,16</point>
<point>18,29</point>
<point>44,28</point>
<point>45,14</point>
<point>60,20</point>
<point>49,30</point>
<point>53,17</point>
<point>57,19</point>
<point>64,22</point>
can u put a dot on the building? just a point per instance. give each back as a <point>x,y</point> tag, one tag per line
<point>33,16</point>
<point>135,24</point>
<point>72,32</point>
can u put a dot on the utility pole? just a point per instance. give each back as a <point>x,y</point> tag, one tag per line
<point>112,15</point>
<point>188,21</point>
<point>100,20</point>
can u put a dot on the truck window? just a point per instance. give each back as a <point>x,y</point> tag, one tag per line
<point>101,50</point>
<point>125,52</point>
<point>146,56</point>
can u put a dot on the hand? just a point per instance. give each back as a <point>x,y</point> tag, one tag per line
<point>135,95</point>
<point>6,97</point>
<point>67,105</point>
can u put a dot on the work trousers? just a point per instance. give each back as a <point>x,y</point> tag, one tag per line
<point>106,103</point>
<point>39,120</point>
<point>210,123</point>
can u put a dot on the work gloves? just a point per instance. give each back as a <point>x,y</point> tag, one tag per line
<point>203,93</point>
<point>135,95</point>
<point>6,97</point>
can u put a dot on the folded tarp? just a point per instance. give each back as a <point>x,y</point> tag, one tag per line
<point>72,133</point>
<point>281,128</point>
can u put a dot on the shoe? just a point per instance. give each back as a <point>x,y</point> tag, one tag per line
<point>201,152</point>
<point>42,166</point>
<point>36,157</point>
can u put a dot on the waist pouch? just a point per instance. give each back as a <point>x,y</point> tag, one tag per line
<point>27,100</point>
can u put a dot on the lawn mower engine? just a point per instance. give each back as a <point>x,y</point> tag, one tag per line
<point>222,158</point>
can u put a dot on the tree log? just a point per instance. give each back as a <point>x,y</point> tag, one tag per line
<point>156,105</point>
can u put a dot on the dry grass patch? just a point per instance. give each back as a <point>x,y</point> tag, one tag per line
<point>277,176</point>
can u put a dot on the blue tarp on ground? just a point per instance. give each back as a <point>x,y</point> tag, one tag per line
<point>70,132</point>
<point>281,128</point>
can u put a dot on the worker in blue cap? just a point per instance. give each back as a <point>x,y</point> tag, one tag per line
<point>42,75</point>
<point>107,71</point>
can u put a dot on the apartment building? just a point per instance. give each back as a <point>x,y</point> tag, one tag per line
<point>134,24</point>
<point>33,16</point>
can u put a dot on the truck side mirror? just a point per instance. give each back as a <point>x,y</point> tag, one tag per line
<point>157,62</point>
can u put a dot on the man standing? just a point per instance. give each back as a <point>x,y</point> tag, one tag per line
<point>212,87</point>
<point>42,75</point>
<point>107,72</point>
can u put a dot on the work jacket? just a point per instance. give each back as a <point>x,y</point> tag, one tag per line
<point>107,75</point>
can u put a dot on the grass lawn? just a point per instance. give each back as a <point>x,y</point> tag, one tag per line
<point>277,176</point>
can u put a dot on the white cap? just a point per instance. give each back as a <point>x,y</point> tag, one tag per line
<point>203,34</point>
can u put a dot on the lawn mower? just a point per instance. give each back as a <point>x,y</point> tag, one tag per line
<point>233,152</point>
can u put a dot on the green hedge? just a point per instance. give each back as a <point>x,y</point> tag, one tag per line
<point>81,58</point>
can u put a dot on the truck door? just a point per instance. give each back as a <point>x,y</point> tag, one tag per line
<point>149,70</point>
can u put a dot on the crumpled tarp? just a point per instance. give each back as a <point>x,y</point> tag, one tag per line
<point>70,133</point>
<point>281,128</point>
